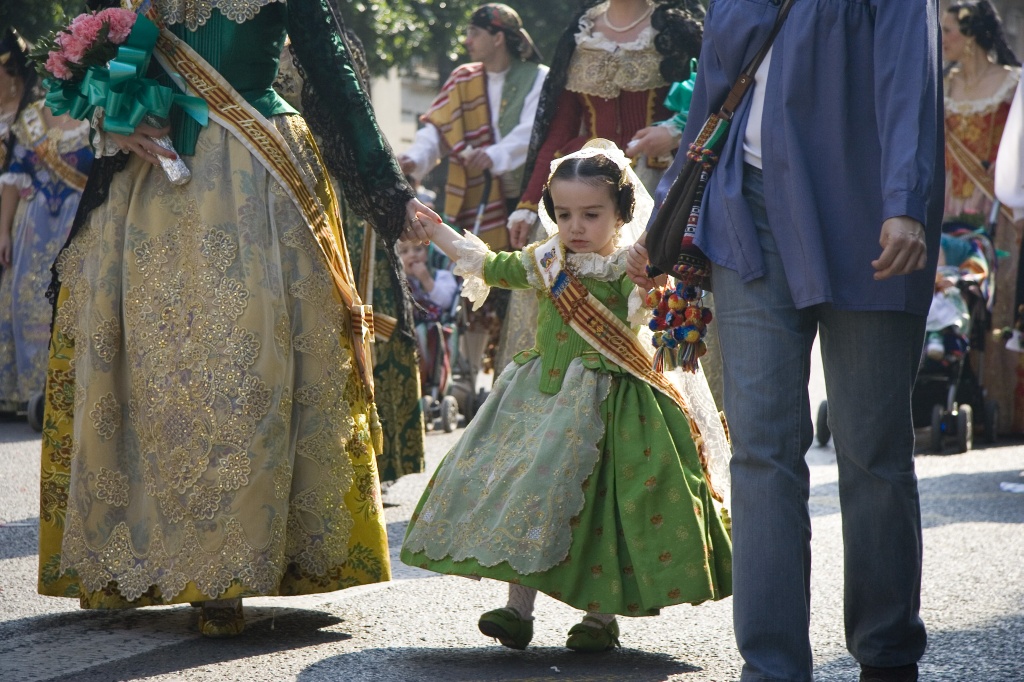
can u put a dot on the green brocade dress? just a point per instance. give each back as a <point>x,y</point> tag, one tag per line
<point>575,478</point>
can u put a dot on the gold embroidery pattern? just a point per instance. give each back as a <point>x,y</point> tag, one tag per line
<point>601,73</point>
<point>195,13</point>
<point>200,408</point>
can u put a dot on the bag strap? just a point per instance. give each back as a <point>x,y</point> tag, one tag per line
<point>746,79</point>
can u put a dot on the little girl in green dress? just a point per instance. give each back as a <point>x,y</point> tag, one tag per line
<point>585,475</point>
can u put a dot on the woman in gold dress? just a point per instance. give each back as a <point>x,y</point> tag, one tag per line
<point>210,430</point>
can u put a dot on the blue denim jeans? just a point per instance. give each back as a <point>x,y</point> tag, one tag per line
<point>870,361</point>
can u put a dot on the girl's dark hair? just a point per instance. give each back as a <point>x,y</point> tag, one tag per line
<point>598,171</point>
<point>978,19</point>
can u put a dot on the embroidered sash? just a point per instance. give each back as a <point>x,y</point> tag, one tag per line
<point>383,325</point>
<point>972,167</point>
<point>599,327</point>
<point>230,110</point>
<point>47,150</point>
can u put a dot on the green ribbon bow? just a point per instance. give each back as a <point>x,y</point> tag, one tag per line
<point>121,88</point>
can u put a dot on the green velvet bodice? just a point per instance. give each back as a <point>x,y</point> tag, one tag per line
<point>246,55</point>
<point>557,343</point>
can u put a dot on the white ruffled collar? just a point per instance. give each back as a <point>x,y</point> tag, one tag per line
<point>979,106</point>
<point>595,266</point>
<point>588,36</point>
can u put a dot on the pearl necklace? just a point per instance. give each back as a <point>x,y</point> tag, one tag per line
<point>631,26</point>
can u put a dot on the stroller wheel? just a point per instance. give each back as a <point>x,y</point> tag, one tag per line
<point>821,430</point>
<point>35,411</point>
<point>449,413</point>
<point>427,405</point>
<point>991,422</point>
<point>964,428</point>
<point>935,443</point>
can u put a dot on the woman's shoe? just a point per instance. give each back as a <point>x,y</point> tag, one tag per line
<point>508,627</point>
<point>221,618</point>
<point>593,638</point>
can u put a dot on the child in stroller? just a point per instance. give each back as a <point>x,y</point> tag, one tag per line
<point>948,393</point>
<point>435,292</point>
<point>447,373</point>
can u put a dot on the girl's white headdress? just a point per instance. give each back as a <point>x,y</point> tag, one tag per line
<point>643,207</point>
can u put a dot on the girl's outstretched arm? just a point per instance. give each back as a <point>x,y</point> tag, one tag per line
<point>424,229</point>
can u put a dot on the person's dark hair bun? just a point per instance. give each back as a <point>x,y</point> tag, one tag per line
<point>594,170</point>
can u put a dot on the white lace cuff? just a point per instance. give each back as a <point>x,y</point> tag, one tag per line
<point>20,180</point>
<point>471,256</point>
<point>102,145</point>
<point>524,214</point>
<point>638,314</point>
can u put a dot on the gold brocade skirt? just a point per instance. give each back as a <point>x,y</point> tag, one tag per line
<point>207,433</point>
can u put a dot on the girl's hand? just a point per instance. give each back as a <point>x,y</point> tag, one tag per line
<point>141,143</point>
<point>636,264</point>
<point>5,248</point>
<point>418,218</point>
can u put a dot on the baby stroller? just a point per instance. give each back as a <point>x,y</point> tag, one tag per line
<point>447,377</point>
<point>948,395</point>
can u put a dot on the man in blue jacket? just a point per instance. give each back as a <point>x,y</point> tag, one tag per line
<point>823,215</point>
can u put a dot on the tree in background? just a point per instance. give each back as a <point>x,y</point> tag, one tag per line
<point>34,18</point>
<point>410,33</point>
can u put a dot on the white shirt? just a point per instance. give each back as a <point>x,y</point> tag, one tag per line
<point>507,153</point>
<point>752,132</point>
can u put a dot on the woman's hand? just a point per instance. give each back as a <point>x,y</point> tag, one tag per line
<point>141,143</point>
<point>5,248</point>
<point>417,221</point>
<point>519,232</point>
<point>653,142</point>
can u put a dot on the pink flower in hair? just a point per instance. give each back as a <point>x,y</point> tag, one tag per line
<point>58,66</point>
<point>120,22</point>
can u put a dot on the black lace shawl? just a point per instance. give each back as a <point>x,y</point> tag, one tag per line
<point>679,31</point>
<point>338,111</point>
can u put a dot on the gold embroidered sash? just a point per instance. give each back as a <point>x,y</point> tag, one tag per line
<point>47,150</point>
<point>599,327</point>
<point>230,110</point>
<point>971,166</point>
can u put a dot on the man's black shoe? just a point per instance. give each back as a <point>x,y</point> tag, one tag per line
<point>904,673</point>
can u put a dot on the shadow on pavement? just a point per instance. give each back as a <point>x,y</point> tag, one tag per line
<point>496,663</point>
<point>277,630</point>
<point>19,538</point>
<point>954,655</point>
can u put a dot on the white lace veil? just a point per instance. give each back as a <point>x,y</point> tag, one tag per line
<point>643,207</point>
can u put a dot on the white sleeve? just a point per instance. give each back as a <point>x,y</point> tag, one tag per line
<point>510,152</point>
<point>471,255</point>
<point>425,151</point>
<point>445,287</point>
<point>1010,159</point>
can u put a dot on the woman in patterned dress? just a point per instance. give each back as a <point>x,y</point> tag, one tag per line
<point>979,89</point>
<point>50,161</point>
<point>211,431</point>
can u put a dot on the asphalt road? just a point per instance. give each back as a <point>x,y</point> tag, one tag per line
<point>423,627</point>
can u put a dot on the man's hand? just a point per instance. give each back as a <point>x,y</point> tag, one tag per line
<point>903,248</point>
<point>407,165</point>
<point>477,160</point>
